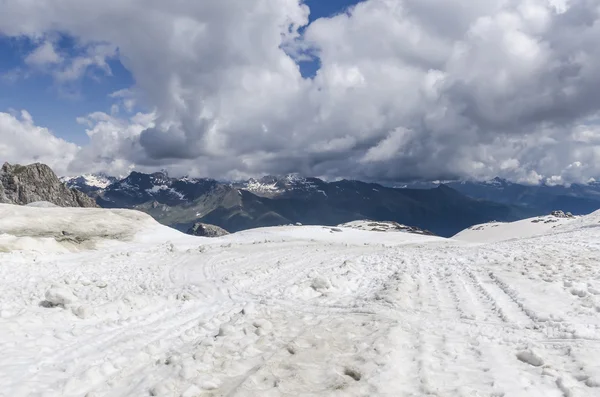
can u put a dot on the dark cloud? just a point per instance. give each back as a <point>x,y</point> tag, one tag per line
<point>428,89</point>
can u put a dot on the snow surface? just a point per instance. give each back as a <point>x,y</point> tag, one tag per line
<point>294,311</point>
<point>42,204</point>
<point>499,231</point>
<point>377,226</point>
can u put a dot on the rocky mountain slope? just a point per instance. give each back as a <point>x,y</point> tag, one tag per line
<point>37,182</point>
<point>272,201</point>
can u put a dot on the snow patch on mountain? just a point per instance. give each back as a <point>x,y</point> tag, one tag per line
<point>256,186</point>
<point>164,188</point>
<point>273,186</point>
<point>100,181</point>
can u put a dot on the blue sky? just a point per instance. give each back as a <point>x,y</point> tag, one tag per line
<point>58,107</point>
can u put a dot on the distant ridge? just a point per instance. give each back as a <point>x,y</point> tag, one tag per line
<point>290,199</point>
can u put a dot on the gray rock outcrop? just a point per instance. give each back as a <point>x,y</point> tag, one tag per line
<point>385,226</point>
<point>206,230</point>
<point>561,214</point>
<point>32,183</point>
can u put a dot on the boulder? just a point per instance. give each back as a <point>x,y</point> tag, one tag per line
<point>206,230</point>
<point>561,214</point>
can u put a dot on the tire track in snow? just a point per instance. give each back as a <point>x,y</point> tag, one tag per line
<point>432,360</point>
<point>141,351</point>
<point>530,332</point>
<point>463,368</point>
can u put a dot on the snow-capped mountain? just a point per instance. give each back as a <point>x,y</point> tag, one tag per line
<point>139,188</point>
<point>442,207</point>
<point>282,186</point>
<point>289,199</point>
<point>89,183</point>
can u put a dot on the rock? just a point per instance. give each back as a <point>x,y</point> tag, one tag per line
<point>385,226</point>
<point>206,230</point>
<point>561,214</point>
<point>36,183</point>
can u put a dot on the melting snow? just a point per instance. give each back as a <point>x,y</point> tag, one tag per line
<point>293,311</point>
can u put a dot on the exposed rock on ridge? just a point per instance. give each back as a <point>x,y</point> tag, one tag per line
<point>206,230</point>
<point>23,185</point>
<point>385,226</point>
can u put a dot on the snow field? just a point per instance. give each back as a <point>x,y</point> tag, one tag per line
<point>300,311</point>
<point>502,231</point>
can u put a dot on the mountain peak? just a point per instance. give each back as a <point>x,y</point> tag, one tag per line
<point>497,181</point>
<point>89,181</point>
<point>278,185</point>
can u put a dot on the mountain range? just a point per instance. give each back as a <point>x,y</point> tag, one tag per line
<point>579,199</point>
<point>290,199</point>
<point>441,208</point>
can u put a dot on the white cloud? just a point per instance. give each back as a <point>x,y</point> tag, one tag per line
<point>95,57</point>
<point>43,55</point>
<point>21,141</point>
<point>407,88</point>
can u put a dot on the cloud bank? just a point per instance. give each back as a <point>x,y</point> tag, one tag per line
<point>407,89</point>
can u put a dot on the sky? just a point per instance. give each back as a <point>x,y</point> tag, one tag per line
<point>377,90</point>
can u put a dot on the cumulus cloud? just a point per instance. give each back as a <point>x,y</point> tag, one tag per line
<point>43,55</point>
<point>425,89</point>
<point>95,57</point>
<point>21,141</point>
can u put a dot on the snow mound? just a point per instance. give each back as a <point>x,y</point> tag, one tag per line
<point>582,222</point>
<point>340,235</point>
<point>42,204</point>
<point>57,229</point>
<point>60,296</point>
<point>502,231</point>
<point>385,226</point>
